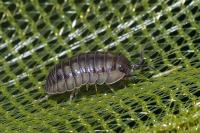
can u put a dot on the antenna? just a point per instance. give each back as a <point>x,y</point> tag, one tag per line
<point>141,63</point>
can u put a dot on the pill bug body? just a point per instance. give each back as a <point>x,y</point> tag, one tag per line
<point>89,68</point>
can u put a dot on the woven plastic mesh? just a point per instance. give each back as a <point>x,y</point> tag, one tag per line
<point>35,35</point>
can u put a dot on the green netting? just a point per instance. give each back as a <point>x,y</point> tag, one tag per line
<point>35,35</point>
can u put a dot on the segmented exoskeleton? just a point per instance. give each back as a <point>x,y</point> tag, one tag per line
<point>89,68</point>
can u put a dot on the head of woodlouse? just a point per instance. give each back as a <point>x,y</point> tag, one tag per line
<point>124,65</point>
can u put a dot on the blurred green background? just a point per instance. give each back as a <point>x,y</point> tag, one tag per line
<point>36,34</point>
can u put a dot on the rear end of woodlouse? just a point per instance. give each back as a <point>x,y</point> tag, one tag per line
<point>87,69</point>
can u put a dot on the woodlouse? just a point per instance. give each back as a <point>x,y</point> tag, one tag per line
<point>88,68</point>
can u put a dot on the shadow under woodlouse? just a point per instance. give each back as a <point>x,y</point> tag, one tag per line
<point>101,89</point>
<point>91,92</point>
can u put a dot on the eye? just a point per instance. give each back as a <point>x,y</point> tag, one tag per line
<point>121,68</point>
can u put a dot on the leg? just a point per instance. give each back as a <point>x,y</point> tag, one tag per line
<point>42,99</point>
<point>95,87</point>
<point>76,91</point>
<point>111,88</point>
<point>71,96</point>
<point>87,86</point>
